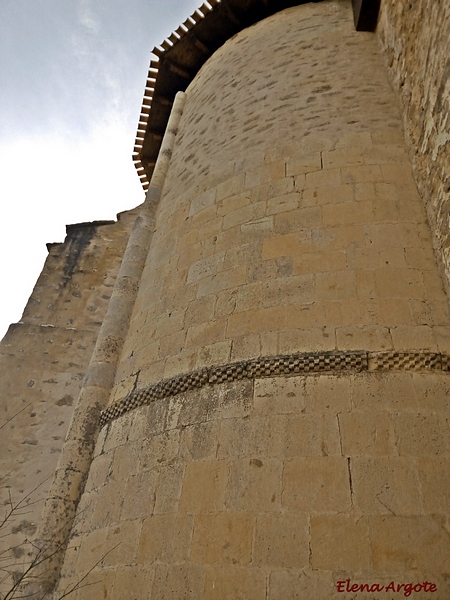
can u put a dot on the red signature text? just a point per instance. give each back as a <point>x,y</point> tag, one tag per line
<point>405,588</point>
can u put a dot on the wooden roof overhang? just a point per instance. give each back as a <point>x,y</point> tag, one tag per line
<point>179,58</point>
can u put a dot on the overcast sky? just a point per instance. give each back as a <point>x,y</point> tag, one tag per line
<point>72,76</point>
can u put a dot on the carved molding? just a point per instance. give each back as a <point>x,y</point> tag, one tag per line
<point>305,363</point>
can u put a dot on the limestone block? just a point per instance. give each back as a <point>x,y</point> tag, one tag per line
<point>245,437</point>
<point>304,164</point>
<point>304,340</point>
<point>328,394</point>
<point>121,539</point>
<point>200,441</point>
<point>92,550</point>
<point>362,174</point>
<point>201,201</point>
<point>222,538</point>
<point>282,541</point>
<point>371,338</point>
<point>366,434</point>
<point>169,323</point>
<point>434,475</point>
<point>432,391</point>
<point>109,505</point>
<point>234,583</point>
<point>316,484</point>
<point>99,471</point>
<point>429,312</point>
<point>85,513</point>
<point>339,237</point>
<point>204,486</point>
<point>214,354</point>
<point>399,283</point>
<point>340,542</point>
<point>283,203</point>
<point>421,434</point>
<point>232,203</point>
<point>131,582</point>
<point>323,178</point>
<point>343,157</point>
<point>319,262</point>
<point>255,321</point>
<point>165,538</point>
<point>232,186</point>
<point>125,462</point>
<point>276,395</point>
<point>442,336</point>
<point>183,362</point>
<point>159,450</point>
<point>380,391</point>
<point>176,582</point>
<point>254,485</point>
<point>169,345</point>
<point>252,346</point>
<point>140,497</point>
<point>414,338</point>
<point>307,435</point>
<point>336,286</point>
<point>97,584</point>
<point>300,584</point>
<point>347,213</point>
<point>169,488</point>
<point>333,194</point>
<point>200,311</point>
<point>266,172</point>
<point>309,217</point>
<point>281,187</point>
<point>288,244</point>
<point>413,543</point>
<point>223,280</point>
<point>205,334</point>
<point>300,289</point>
<point>244,214</point>
<point>385,486</point>
<point>204,267</point>
<point>383,235</point>
<point>148,421</point>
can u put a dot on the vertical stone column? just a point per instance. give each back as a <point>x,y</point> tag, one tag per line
<point>76,456</point>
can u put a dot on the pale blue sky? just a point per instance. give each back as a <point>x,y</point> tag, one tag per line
<point>72,75</point>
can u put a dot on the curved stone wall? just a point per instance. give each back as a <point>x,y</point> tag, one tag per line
<point>290,228</point>
<point>290,220</point>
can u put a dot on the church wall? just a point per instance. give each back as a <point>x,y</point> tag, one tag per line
<point>283,180</point>
<point>290,227</point>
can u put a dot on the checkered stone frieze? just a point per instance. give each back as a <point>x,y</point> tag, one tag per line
<point>232,372</point>
<point>445,362</point>
<point>405,361</point>
<point>274,366</point>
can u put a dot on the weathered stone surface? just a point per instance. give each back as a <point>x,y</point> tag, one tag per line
<point>290,222</point>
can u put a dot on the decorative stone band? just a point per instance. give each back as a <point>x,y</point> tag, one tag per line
<point>272,366</point>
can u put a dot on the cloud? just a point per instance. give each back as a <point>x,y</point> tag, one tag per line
<point>86,16</point>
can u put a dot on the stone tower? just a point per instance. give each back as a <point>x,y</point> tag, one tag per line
<point>264,415</point>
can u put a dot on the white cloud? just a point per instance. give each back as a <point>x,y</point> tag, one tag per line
<point>86,16</point>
